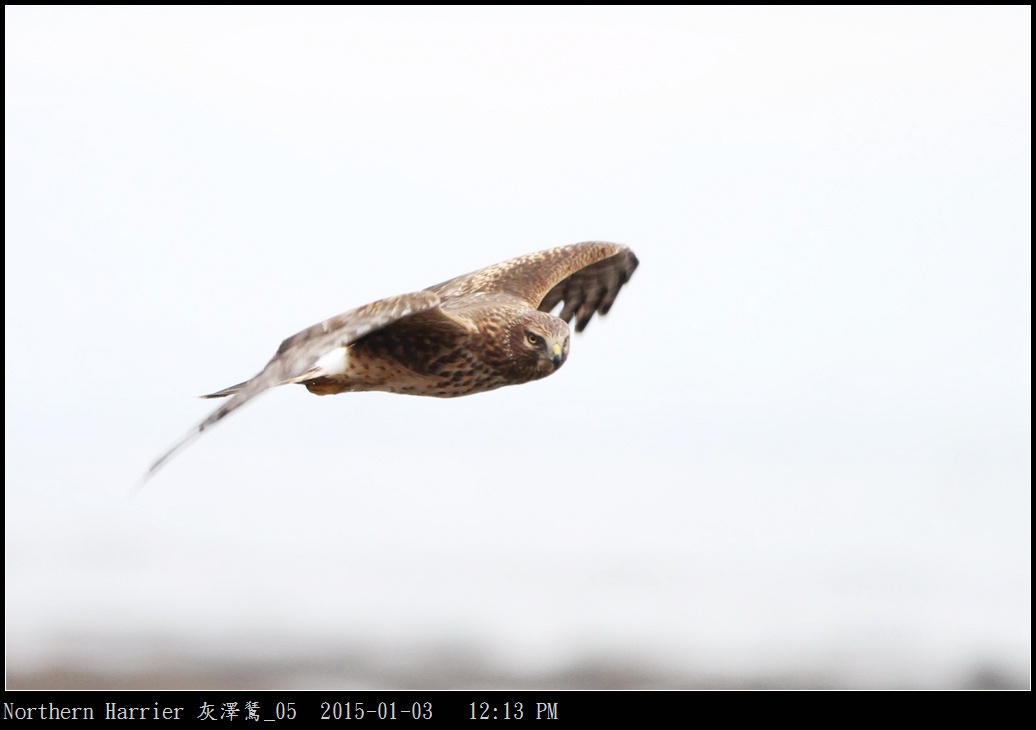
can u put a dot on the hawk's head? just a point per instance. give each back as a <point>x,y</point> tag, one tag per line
<point>539,343</point>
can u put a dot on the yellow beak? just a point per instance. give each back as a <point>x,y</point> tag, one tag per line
<point>555,355</point>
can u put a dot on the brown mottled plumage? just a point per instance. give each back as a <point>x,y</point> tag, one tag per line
<point>474,333</point>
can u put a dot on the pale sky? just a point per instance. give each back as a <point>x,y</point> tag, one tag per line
<point>800,439</point>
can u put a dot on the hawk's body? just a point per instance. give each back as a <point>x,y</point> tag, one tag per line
<point>445,352</point>
<point>474,333</point>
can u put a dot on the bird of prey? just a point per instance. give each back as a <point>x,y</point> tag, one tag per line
<point>474,333</point>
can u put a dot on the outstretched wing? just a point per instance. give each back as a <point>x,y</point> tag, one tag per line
<point>303,356</point>
<point>585,276</point>
<point>591,289</point>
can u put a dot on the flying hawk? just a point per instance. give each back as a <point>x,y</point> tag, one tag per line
<point>474,333</point>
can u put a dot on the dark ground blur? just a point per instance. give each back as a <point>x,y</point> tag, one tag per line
<point>461,669</point>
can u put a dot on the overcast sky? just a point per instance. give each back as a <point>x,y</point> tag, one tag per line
<point>799,440</point>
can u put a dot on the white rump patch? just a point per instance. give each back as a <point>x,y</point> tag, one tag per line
<point>333,362</point>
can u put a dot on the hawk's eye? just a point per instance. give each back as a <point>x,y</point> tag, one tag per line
<point>533,339</point>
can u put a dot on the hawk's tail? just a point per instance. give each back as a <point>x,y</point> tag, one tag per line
<point>225,392</point>
<point>310,374</point>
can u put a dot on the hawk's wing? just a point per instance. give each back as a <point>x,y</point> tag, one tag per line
<point>299,358</point>
<point>585,276</point>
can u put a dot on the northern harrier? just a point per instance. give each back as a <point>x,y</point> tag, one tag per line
<point>480,331</point>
